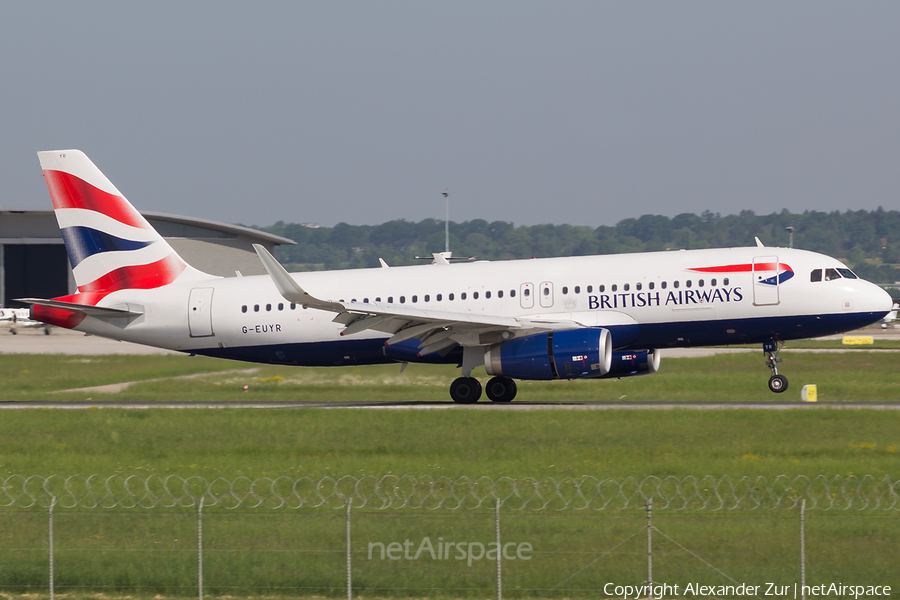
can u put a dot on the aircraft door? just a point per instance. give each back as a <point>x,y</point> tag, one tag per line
<point>546,292</point>
<point>200,312</point>
<point>765,281</point>
<point>526,295</point>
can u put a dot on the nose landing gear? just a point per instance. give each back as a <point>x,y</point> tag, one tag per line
<point>777,383</point>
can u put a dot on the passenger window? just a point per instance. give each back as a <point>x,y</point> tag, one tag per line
<point>527,292</point>
<point>450,297</point>
<point>831,274</point>
<point>602,288</point>
<point>637,286</point>
<point>687,283</point>
<point>512,293</point>
<point>675,284</point>
<point>280,306</point>
<point>256,308</point>
<point>651,285</point>
<point>816,275</point>
<point>700,283</point>
<point>402,299</point>
<point>487,294</point>
<point>725,281</point>
<point>546,291</point>
<point>499,293</point>
<point>626,287</point>
<point>390,299</point>
<point>293,306</point>
<point>427,298</point>
<point>663,285</point>
<point>577,289</point>
<point>365,300</point>
<point>462,296</point>
<point>439,297</point>
<point>590,289</point>
<point>474,295</point>
<point>268,307</point>
<point>415,299</point>
<point>378,299</point>
<point>713,283</point>
<point>614,287</point>
<point>244,308</point>
<point>565,291</point>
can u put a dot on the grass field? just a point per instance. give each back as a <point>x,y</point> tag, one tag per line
<point>301,553</point>
<point>846,376</point>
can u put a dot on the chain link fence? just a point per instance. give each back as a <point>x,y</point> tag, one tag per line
<point>396,492</point>
<point>425,536</point>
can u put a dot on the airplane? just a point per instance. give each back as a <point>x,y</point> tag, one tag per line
<point>586,317</point>
<point>19,317</point>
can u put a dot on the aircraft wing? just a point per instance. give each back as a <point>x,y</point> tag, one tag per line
<point>438,331</point>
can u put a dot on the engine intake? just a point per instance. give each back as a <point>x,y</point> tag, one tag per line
<point>569,354</point>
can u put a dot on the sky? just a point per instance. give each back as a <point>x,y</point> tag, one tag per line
<point>583,113</point>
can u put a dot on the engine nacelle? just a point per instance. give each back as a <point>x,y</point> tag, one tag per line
<point>569,354</point>
<point>633,363</point>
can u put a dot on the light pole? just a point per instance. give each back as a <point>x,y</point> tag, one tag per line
<point>790,231</point>
<point>447,220</point>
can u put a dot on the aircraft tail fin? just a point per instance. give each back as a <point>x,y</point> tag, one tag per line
<point>110,245</point>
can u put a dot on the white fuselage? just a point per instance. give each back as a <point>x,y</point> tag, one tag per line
<point>647,300</point>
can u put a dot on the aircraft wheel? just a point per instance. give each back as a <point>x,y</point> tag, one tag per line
<point>778,383</point>
<point>501,389</point>
<point>465,390</point>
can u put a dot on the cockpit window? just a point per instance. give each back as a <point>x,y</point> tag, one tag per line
<point>848,273</point>
<point>831,274</point>
<point>816,275</point>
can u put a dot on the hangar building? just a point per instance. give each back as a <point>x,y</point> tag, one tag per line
<point>34,264</point>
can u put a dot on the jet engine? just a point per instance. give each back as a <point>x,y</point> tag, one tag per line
<point>633,363</point>
<point>569,354</point>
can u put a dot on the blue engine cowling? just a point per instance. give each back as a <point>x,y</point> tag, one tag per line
<point>633,362</point>
<point>569,354</point>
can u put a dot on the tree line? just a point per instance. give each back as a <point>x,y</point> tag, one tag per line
<point>868,241</point>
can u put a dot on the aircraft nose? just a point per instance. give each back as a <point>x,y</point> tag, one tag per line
<point>881,300</point>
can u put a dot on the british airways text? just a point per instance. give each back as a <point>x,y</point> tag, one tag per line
<point>681,297</point>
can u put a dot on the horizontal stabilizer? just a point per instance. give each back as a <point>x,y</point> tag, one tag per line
<point>99,312</point>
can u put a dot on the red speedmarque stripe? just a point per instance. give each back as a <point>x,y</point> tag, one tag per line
<point>140,277</point>
<point>745,268</point>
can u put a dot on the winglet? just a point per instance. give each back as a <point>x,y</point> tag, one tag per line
<point>289,288</point>
<point>759,243</point>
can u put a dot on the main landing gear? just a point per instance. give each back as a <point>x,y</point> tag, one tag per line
<point>777,383</point>
<point>467,390</point>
